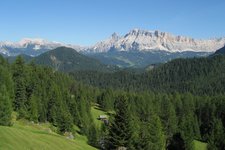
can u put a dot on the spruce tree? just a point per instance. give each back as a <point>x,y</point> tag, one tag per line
<point>33,108</point>
<point>93,135</point>
<point>187,131</point>
<point>217,138</point>
<point>20,86</point>
<point>53,104</point>
<point>152,136</point>
<point>64,121</point>
<point>120,130</point>
<point>5,107</point>
<point>168,117</point>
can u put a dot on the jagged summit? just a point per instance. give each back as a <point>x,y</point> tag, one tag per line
<point>31,46</point>
<point>115,36</point>
<point>144,40</point>
<point>134,40</point>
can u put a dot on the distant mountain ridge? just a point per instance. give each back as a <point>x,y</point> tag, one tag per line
<point>135,40</point>
<point>150,41</point>
<point>31,47</point>
<point>69,60</point>
<point>138,48</point>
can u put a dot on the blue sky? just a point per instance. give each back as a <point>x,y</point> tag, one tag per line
<point>85,22</point>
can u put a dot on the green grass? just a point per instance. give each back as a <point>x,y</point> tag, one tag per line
<point>24,135</point>
<point>96,112</point>
<point>200,145</point>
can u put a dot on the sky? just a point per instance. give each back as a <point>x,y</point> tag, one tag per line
<point>85,22</point>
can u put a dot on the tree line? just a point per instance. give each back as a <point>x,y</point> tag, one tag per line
<point>148,119</point>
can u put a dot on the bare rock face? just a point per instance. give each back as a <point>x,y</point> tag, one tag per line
<point>135,40</point>
<point>143,40</point>
<point>69,135</point>
<point>31,47</point>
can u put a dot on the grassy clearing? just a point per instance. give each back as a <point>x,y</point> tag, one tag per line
<point>25,135</point>
<point>200,145</point>
<point>96,112</point>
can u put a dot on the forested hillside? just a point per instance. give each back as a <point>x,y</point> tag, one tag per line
<point>181,75</point>
<point>153,110</point>
<point>68,59</point>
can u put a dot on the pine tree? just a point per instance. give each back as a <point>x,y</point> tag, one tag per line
<point>53,104</point>
<point>20,86</point>
<point>120,130</point>
<point>93,135</point>
<point>64,121</point>
<point>74,111</point>
<point>187,131</point>
<point>168,117</point>
<point>33,109</point>
<point>5,107</point>
<point>217,138</point>
<point>152,136</point>
<point>106,100</point>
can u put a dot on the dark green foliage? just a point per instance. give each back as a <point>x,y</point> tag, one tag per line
<point>64,121</point>
<point>175,103</point>
<point>120,130</point>
<point>33,108</point>
<point>19,77</point>
<point>106,100</point>
<point>177,143</point>
<point>6,93</point>
<point>152,136</point>
<point>180,75</point>
<point>5,107</point>
<point>168,116</point>
<point>217,139</point>
<point>93,136</point>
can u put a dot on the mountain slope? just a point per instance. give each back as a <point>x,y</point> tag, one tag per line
<point>141,59</point>
<point>181,75</point>
<point>67,60</point>
<point>220,51</point>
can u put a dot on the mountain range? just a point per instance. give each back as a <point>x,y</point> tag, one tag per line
<point>137,48</point>
<point>144,40</point>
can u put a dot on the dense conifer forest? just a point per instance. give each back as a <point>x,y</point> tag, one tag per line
<point>168,107</point>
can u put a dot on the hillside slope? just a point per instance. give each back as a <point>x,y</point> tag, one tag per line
<point>67,60</point>
<point>220,51</point>
<point>26,136</point>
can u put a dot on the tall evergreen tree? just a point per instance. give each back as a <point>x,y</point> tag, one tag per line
<point>64,121</point>
<point>93,136</point>
<point>120,130</point>
<point>5,107</point>
<point>217,138</point>
<point>19,77</point>
<point>106,100</point>
<point>33,108</point>
<point>152,136</point>
<point>187,131</point>
<point>168,116</point>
